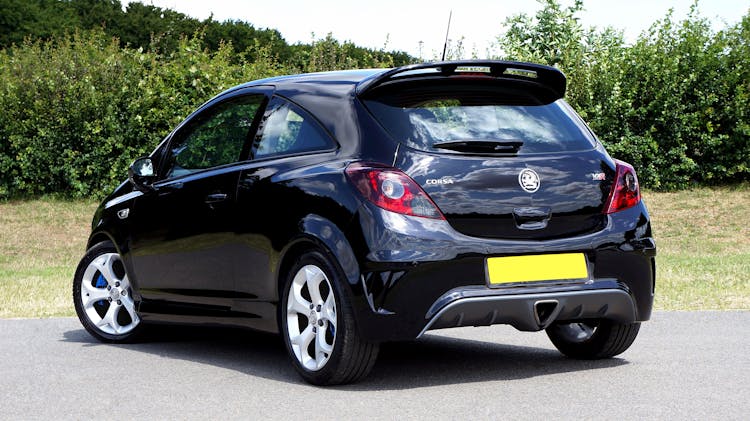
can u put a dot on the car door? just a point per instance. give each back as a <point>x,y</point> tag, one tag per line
<point>183,246</point>
<point>271,202</point>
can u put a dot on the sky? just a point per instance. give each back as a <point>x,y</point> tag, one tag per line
<point>418,27</point>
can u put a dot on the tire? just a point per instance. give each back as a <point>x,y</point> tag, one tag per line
<point>317,323</point>
<point>595,339</point>
<point>102,296</point>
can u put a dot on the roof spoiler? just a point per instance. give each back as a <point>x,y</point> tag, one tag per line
<point>543,76</point>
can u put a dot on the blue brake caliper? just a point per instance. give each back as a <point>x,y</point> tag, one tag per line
<point>100,283</point>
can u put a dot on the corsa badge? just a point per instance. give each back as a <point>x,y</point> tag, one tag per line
<point>529,180</point>
<point>440,181</point>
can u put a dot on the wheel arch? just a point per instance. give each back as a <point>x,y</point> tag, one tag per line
<point>319,233</point>
<point>99,237</point>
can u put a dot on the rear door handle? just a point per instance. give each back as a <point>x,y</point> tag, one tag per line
<point>215,198</point>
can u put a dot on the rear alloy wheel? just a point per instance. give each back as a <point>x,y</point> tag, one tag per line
<point>593,339</point>
<point>103,296</point>
<point>318,325</point>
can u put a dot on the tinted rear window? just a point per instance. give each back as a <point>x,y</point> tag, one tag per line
<point>424,116</point>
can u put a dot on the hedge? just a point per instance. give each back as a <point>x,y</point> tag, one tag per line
<point>77,109</point>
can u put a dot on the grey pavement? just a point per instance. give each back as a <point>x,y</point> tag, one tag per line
<point>684,365</point>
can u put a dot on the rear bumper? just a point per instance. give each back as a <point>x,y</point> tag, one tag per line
<point>532,312</point>
<point>417,275</point>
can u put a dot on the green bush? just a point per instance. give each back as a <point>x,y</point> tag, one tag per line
<point>64,113</point>
<point>78,109</point>
<point>685,89</point>
<point>674,103</point>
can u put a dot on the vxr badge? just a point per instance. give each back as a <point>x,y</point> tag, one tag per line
<point>529,180</point>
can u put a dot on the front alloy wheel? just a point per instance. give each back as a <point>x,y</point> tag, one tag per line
<point>317,322</point>
<point>103,295</point>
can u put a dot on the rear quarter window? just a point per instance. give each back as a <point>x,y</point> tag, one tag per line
<point>288,129</point>
<point>421,117</point>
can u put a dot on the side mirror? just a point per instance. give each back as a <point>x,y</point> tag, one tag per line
<point>141,173</point>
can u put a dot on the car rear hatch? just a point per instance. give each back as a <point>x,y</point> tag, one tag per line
<point>495,147</point>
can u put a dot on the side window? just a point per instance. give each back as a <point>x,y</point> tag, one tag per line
<point>287,129</point>
<point>215,138</point>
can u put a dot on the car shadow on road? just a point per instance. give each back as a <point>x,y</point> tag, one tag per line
<point>433,360</point>
<point>436,360</point>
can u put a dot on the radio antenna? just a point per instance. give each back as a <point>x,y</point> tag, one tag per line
<point>445,45</point>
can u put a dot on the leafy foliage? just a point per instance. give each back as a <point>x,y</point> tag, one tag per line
<point>149,27</point>
<point>78,110</point>
<point>79,104</point>
<point>329,54</point>
<point>674,103</point>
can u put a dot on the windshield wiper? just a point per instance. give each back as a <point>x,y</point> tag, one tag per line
<point>481,146</point>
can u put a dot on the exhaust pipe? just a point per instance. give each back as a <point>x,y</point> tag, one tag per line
<point>545,312</point>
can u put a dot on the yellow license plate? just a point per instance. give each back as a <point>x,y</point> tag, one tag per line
<point>541,267</point>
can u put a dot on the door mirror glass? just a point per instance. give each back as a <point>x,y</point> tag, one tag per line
<point>141,173</point>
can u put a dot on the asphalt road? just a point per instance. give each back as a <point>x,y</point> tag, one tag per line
<point>684,365</point>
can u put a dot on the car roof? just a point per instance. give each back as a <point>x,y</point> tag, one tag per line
<point>336,83</point>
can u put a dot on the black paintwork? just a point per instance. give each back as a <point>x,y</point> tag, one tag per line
<point>212,247</point>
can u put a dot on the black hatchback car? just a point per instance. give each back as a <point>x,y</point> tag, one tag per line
<point>345,209</point>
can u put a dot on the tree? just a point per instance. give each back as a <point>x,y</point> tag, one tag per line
<point>153,28</point>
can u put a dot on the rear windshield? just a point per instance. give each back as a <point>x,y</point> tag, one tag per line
<point>423,117</point>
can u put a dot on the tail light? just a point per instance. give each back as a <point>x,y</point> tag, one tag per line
<point>392,190</point>
<point>625,192</point>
